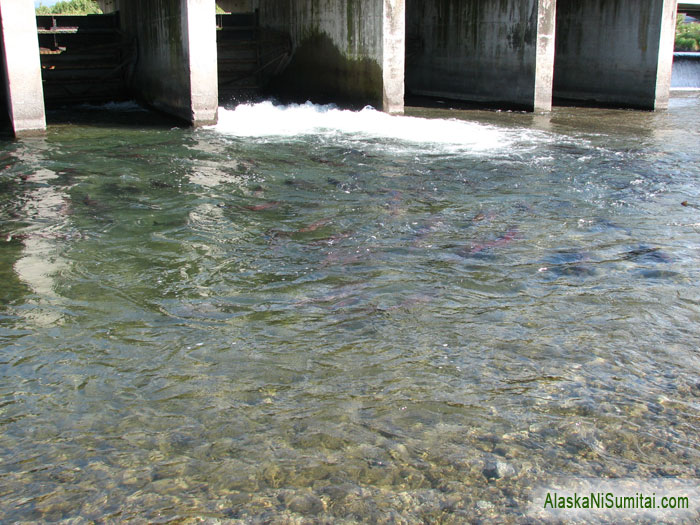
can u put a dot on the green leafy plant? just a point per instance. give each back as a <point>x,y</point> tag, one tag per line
<point>80,7</point>
<point>687,35</point>
<point>71,7</point>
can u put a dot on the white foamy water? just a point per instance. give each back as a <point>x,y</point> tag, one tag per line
<point>267,120</point>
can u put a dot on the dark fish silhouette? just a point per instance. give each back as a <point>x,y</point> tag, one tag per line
<point>301,184</point>
<point>314,226</point>
<point>427,229</point>
<point>344,258</point>
<point>330,241</point>
<point>264,206</point>
<point>488,216</point>
<point>502,240</point>
<point>90,202</point>
<point>645,253</point>
<point>306,229</point>
<point>161,185</point>
<point>569,263</point>
<point>327,162</point>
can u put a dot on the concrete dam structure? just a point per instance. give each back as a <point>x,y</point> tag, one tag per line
<point>525,54</point>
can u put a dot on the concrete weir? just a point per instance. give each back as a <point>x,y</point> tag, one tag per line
<point>498,53</point>
<point>505,53</point>
<point>19,47</point>
<point>617,52</point>
<point>176,70</point>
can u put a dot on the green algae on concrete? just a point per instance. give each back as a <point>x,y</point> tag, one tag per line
<point>319,71</point>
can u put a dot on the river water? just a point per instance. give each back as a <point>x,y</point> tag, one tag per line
<point>308,315</point>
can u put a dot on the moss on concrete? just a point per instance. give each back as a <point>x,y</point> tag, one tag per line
<point>320,72</point>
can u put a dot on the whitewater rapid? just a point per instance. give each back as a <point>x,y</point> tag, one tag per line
<point>267,120</point>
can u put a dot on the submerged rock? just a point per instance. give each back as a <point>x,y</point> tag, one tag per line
<point>498,469</point>
<point>306,504</point>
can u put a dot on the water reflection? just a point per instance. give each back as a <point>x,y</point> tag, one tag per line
<point>39,223</point>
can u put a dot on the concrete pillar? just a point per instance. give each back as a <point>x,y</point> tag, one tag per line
<point>617,52</point>
<point>22,67</point>
<point>498,53</point>
<point>203,65</point>
<point>544,61</point>
<point>347,51</point>
<point>176,69</point>
<point>667,39</point>
<point>393,55</point>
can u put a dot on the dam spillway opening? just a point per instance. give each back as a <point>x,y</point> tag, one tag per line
<point>686,71</point>
<point>84,59</point>
<point>248,56</point>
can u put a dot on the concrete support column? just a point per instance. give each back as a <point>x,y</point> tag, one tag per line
<point>19,45</point>
<point>497,53</point>
<point>544,61</point>
<point>176,69</point>
<point>203,64</point>
<point>393,55</point>
<point>618,52</point>
<point>667,39</point>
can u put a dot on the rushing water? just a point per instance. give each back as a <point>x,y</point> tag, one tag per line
<point>312,314</point>
<point>686,71</point>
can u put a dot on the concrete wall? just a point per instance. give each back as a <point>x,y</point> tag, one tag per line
<point>616,52</point>
<point>19,49</point>
<point>482,50</point>
<point>238,6</point>
<point>344,50</point>
<point>176,69</point>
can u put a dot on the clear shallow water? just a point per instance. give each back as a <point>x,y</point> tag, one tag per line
<point>308,314</point>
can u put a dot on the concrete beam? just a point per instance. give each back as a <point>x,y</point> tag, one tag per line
<point>238,6</point>
<point>348,51</point>
<point>19,45</point>
<point>690,8</point>
<point>498,53</point>
<point>618,52</point>
<point>176,69</point>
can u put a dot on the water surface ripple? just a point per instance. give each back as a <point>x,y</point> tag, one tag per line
<point>311,314</point>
